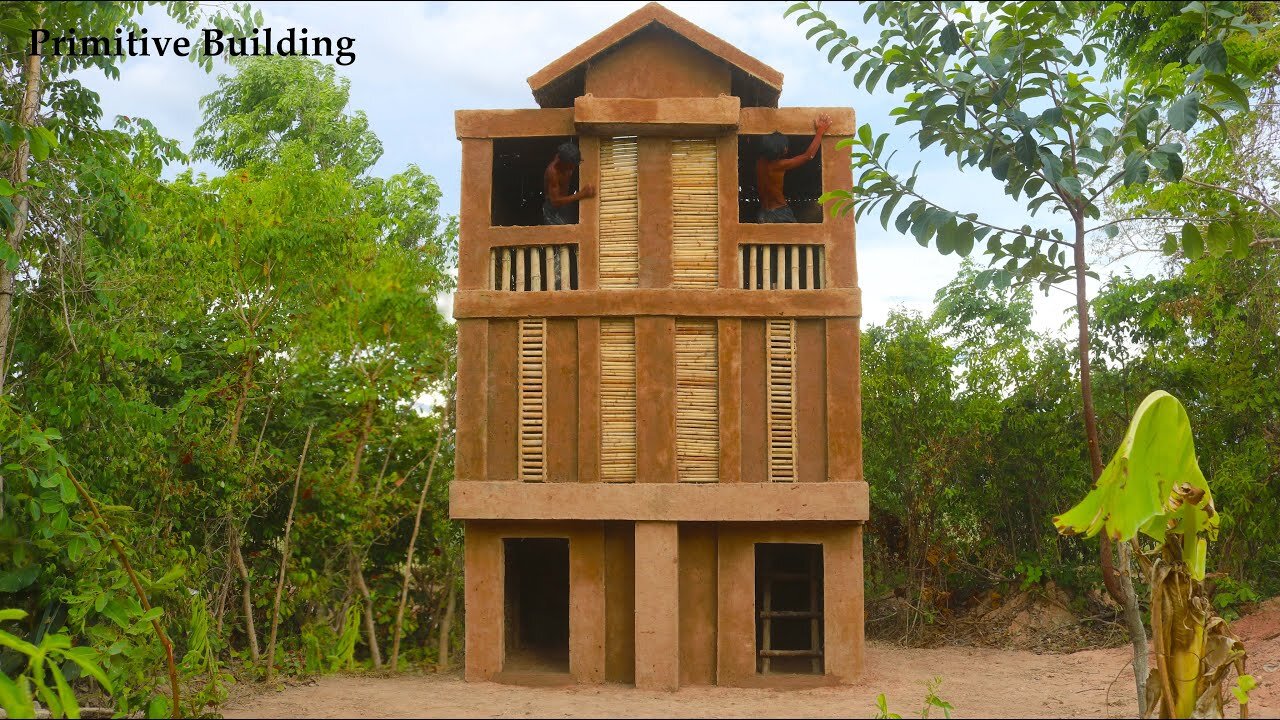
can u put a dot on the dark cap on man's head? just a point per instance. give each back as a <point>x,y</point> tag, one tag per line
<point>569,153</point>
<point>774,146</point>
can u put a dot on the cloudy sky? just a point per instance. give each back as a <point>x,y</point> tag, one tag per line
<point>417,63</point>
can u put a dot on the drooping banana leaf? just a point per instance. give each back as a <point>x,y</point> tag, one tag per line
<point>1153,484</point>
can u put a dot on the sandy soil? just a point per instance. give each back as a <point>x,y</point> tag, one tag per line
<point>978,682</point>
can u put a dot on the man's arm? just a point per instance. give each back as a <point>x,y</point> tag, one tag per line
<point>820,126</point>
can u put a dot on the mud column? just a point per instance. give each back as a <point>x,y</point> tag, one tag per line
<point>657,606</point>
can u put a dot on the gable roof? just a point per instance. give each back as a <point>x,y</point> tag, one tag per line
<point>755,77</point>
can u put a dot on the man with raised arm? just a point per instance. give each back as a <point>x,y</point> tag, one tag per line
<point>555,182</point>
<point>772,167</point>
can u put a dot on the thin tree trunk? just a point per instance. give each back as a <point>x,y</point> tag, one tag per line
<point>357,574</point>
<point>413,540</point>
<point>227,582</point>
<point>246,595</point>
<point>265,420</point>
<point>246,379</point>
<point>284,558</point>
<point>233,534</point>
<point>1119,584</point>
<point>17,177</point>
<point>446,626</point>
<point>366,426</point>
<point>370,629</point>
<point>176,710</point>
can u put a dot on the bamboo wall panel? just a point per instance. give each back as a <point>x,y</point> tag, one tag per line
<point>533,399</point>
<point>697,401</point>
<point>695,199</point>
<point>619,206</point>
<point>617,400</point>
<point>781,338</point>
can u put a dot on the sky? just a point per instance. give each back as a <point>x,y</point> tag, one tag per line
<point>416,63</point>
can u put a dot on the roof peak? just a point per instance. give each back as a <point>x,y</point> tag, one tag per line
<point>543,82</point>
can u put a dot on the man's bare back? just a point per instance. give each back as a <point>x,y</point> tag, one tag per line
<point>772,171</point>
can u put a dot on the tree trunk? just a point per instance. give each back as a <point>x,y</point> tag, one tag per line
<point>413,540</point>
<point>227,582</point>
<point>446,626</point>
<point>233,537</point>
<point>366,426</point>
<point>1119,584</point>
<point>246,379</point>
<point>17,177</point>
<point>370,628</point>
<point>284,558</point>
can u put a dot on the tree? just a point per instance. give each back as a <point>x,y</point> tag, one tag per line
<point>1006,88</point>
<point>273,102</point>
<point>71,112</point>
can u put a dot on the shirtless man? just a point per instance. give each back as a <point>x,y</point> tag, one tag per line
<point>556,179</point>
<point>772,167</point>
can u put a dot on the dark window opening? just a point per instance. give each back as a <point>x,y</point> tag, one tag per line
<point>527,269</point>
<point>802,186</point>
<point>789,628</point>
<point>518,167</point>
<point>537,604</point>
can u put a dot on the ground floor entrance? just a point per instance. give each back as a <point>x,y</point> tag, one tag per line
<point>664,604</point>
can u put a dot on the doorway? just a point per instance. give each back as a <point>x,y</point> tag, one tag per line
<point>536,604</point>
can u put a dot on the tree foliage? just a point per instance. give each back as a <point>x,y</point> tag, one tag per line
<point>992,89</point>
<point>171,353</point>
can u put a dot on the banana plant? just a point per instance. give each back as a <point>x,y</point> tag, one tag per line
<point>1153,486</point>
<point>45,662</point>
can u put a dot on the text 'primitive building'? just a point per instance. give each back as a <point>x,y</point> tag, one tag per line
<point>659,452</point>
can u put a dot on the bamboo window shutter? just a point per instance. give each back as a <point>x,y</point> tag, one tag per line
<point>617,400</point>
<point>619,230</point>
<point>533,399</point>
<point>782,400</point>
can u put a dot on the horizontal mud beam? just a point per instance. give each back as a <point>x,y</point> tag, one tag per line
<point>671,502</point>
<point>663,302</point>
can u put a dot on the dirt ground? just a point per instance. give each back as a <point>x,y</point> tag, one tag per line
<point>978,682</point>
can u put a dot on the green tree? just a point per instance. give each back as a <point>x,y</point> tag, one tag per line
<point>1008,89</point>
<point>33,82</point>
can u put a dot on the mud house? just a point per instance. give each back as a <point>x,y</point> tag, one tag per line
<point>659,454</point>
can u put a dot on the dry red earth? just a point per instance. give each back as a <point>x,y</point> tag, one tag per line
<point>978,682</point>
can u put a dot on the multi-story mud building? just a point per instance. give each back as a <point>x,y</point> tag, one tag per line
<point>659,455</point>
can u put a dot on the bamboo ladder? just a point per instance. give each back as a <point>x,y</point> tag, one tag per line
<point>781,340</point>
<point>533,400</point>
<point>769,577</point>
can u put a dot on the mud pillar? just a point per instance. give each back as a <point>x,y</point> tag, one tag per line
<point>657,606</point>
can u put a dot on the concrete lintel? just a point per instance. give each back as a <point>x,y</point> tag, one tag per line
<point>666,502</point>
